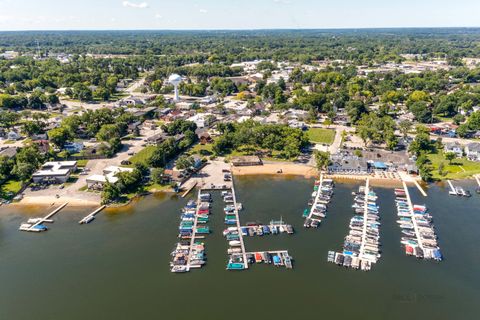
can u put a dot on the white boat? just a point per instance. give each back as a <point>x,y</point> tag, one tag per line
<point>234,243</point>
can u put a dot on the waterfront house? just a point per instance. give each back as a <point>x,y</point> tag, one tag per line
<point>348,164</point>
<point>97,181</point>
<point>55,172</point>
<point>453,147</point>
<point>472,150</point>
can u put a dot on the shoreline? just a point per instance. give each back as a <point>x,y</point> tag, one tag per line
<point>268,169</point>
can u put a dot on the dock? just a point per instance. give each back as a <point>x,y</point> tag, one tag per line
<point>422,242</point>
<point>419,187</point>
<point>242,244</point>
<point>274,227</point>
<point>189,189</point>
<point>91,216</point>
<point>239,258</point>
<point>324,190</point>
<point>361,247</point>
<point>194,231</point>
<point>38,226</point>
<point>452,191</point>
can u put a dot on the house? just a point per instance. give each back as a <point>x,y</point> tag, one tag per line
<point>73,147</point>
<point>97,181</point>
<point>43,145</point>
<point>12,135</point>
<point>55,172</point>
<point>172,176</point>
<point>134,127</point>
<point>202,120</point>
<point>157,138</point>
<point>9,152</point>
<point>472,150</point>
<point>454,147</point>
<point>205,138</point>
<point>348,164</point>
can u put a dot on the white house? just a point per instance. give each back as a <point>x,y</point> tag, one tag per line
<point>454,147</point>
<point>109,174</point>
<point>56,172</point>
<point>472,150</point>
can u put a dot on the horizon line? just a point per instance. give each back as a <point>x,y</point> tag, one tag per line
<point>251,29</point>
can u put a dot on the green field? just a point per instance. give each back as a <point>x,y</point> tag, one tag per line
<point>143,155</point>
<point>458,169</point>
<point>319,135</point>
<point>9,188</point>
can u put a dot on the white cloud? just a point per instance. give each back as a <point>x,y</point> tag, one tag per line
<point>282,1</point>
<point>203,10</point>
<point>158,16</point>
<point>141,5</point>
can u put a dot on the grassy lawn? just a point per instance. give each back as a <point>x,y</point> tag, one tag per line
<point>143,155</point>
<point>319,135</point>
<point>454,170</point>
<point>153,187</point>
<point>201,149</point>
<point>11,187</point>
<point>82,163</point>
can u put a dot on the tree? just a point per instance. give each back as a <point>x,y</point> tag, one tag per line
<point>156,86</point>
<point>322,160</point>
<point>450,156</point>
<point>184,162</point>
<point>157,175</point>
<point>405,126</point>
<point>59,136</point>
<point>23,170</point>
<point>110,193</point>
<point>421,112</point>
<point>102,93</point>
<point>8,118</point>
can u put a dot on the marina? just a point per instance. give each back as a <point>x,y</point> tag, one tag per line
<point>37,224</point>
<point>145,259</point>
<point>418,232</point>
<point>239,259</point>
<point>321,196</point>
<point>361,248</point>
<point>189,253</point>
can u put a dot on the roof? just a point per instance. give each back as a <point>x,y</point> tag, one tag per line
<point>379,165</point>
<point>474,146</point>
<point>8,152</point>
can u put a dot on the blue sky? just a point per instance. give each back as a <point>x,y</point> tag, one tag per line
<point>235,14</point>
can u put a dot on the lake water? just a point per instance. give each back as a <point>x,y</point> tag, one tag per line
<point>118,266</point>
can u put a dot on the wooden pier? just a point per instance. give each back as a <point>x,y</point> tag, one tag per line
<point>189,189</point>
<point>414,221</point>
<point>365,217</point>
<point>242,244</point>
<point>319,193</point>
<point>91,216</point>
<point>39,221</point>
<point>452,191</point>
<point>194,231</point>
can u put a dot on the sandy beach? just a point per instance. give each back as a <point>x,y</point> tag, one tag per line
<point>52,200</point>
<point>274,168</point>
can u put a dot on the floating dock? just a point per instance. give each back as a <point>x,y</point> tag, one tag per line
<point>91,216</point>
<point>418,233</point>
<point>361,246</point>
<point>323,191</point>
<point>239,258</point>
<point>453,191</point>
<point>36,224</point>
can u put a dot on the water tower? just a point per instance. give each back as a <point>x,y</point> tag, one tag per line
<point>175,79</point>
